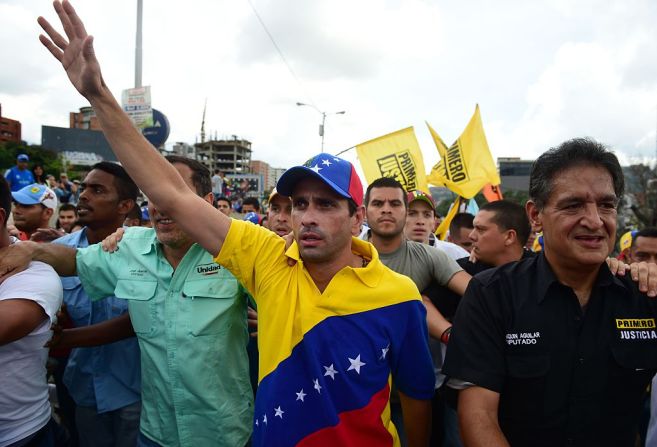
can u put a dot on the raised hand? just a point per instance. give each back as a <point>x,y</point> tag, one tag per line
<point>77,54</point>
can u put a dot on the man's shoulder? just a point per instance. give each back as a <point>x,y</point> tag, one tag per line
<point>71,239</point>
<point>508,272</point>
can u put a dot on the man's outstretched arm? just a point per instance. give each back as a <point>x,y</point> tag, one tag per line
<point>16,257</point>
<point>158,179</point>
<point>108,331</point>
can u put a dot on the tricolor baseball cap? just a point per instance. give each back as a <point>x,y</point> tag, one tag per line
<point>423,196</point>
<point>23,157</point>
<point>34,194</point>
<point>338,174</point>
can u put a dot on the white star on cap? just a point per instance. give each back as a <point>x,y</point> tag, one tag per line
<point>316,168</point>
<point>317,386</point>
<point>330,371</point>
<point>326,162</point>
<point>278,412</point>
<point>356,364</point>
<point>301,395</point>
<point>257,422</point>
<point>264,419</point>
<point>384,352</point>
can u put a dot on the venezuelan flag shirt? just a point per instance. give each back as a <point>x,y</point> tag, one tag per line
<point>327,360</point>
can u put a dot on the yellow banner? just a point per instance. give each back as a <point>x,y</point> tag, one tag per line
<point>441,231</point>
<point>394,155</point>
<point>467,165</point>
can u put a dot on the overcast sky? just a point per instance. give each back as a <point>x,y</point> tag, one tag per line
<point>541,71</point>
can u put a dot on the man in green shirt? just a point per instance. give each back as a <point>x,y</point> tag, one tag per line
<point>189,315</point>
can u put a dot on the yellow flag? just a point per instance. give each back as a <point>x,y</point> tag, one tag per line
<point>394,155</point>
<point>466,166</point>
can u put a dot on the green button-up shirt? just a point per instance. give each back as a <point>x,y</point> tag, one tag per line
<point>191,326</point>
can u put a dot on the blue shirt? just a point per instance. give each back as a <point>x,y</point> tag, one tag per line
<point>19,179</point>
<point>106,377</point>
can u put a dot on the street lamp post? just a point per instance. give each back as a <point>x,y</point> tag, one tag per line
<point>321,126</point>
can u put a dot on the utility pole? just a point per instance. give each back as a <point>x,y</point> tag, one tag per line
<point>138,55</point>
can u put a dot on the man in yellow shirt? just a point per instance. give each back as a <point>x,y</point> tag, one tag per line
<point>335,328</point>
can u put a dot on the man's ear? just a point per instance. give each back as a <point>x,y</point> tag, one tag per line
<point>357,220</point>
<point>534,215</point>
<point>209,197</point>
<point>125,206</point>
<point>49,212</point>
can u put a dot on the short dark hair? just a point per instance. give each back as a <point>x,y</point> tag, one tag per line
<point>461,220</point>
<point>571,153</point>
<point>510,216</point>
<point>646,232</point>
<point>251,201</point>
<point>67,207</point>
<point>385,182</point>
<point>225,199</point>
<point>5,199</point>
<point>126,189</point>
<point>217,171</point>
<point>200,173</point>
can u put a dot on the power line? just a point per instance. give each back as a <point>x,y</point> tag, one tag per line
<point>280,53</point>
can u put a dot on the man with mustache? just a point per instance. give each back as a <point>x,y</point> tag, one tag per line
<point>553,349</point>
<point>103,381</point>
<point>34,205</point>
<point>386,208</point>
<point>279,214</point>
<point>189,316</point>
<point>336,328</point>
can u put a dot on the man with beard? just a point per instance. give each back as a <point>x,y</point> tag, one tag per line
<point>103,381</point>
<point>20,176</point>
<point>66,217</point>
<point>224,205</point>
<point>33,207</point>
<point>189,316</point>
<point>336,328</point>
<point>386,208</point>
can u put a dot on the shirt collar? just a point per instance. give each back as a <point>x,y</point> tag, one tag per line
<point>546,277</point>
<point>370,275</point>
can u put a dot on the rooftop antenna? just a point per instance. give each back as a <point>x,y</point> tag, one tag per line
<point>203,121</point>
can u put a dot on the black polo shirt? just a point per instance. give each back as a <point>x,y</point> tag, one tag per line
<point>565,377</point>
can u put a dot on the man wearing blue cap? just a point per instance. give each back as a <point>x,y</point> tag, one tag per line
<point>19,175</point>
<point>34,205</point>
<point>336,327</point>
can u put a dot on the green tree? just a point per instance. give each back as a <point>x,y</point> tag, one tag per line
<point>47,158</point>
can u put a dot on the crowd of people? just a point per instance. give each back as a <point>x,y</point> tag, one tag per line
<point>335,317</point>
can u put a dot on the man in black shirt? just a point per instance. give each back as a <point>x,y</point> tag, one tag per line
<point>554,350</point>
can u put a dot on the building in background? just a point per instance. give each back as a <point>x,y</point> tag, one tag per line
<point>10,130</point>
<point>84,119</point>
<point>231,156</point>
<point>270,175</point>
<point>514,173</point>
<point>183,150</point>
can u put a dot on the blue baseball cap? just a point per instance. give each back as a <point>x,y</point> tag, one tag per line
<point>34,194</point>
<point>252,217</point>
<point>338,174</point>
<point>23,157</point>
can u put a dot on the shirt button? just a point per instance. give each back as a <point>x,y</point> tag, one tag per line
<point>581,360</point>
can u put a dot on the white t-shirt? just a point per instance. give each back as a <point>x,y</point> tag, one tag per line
<point>453,251</point>
<point>24,406</point>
